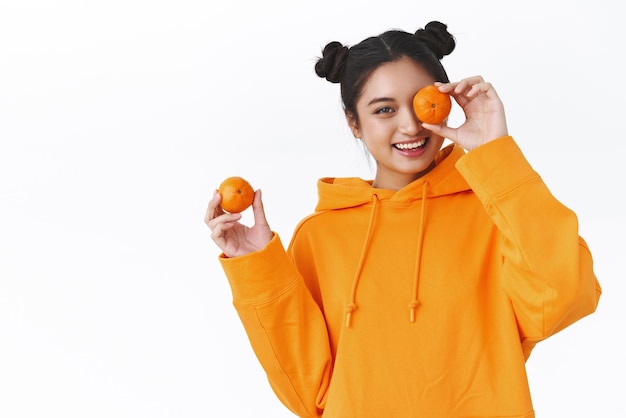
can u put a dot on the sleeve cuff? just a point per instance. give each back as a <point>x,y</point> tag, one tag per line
<point>495,168</point>
<point>260,276</point>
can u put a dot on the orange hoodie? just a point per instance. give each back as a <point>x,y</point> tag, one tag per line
<point>422,302</point>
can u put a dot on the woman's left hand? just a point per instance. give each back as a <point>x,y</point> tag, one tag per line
<point>484,113</point>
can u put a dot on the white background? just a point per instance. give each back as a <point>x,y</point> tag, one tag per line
<point>119,118</point>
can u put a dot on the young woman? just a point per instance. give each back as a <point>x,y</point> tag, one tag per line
<point>420,293</point>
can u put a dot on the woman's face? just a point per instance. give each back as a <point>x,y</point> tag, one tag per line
<point>388,127</point>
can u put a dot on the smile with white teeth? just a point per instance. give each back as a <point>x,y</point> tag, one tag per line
<point>412,145</point>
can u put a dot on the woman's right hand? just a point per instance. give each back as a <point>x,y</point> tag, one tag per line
<point>485,118</point>
<point>233,238</point>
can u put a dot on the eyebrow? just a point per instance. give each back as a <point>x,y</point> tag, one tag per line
<point>380,99</point>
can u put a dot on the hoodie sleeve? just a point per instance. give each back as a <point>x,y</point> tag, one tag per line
<point>284,325</point>
<point>547,269</point>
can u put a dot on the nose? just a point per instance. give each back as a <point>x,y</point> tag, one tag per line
<point>409,123</point>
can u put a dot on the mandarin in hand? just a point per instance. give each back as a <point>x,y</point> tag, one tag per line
<point>237,194</point>
<point>431,105</point>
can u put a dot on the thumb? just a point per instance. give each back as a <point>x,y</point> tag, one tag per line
<point>442,130</point>
<point>258,210</point>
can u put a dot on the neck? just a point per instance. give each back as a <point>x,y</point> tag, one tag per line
<point>398,181</point>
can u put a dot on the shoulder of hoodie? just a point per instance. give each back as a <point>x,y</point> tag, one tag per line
<point>308,219</point>
<point>318,213</point>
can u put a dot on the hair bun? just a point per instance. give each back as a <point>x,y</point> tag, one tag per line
<point>436,36</point>
<point>332,63</point>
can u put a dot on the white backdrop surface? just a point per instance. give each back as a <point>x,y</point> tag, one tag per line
<point>119,118</point>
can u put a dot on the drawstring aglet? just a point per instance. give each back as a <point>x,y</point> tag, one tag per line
<point>351,307</point>
<point>412,308</point>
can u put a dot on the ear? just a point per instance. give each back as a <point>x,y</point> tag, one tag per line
<point>353,125</point>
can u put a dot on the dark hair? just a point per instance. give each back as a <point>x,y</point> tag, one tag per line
<point>352,66</point>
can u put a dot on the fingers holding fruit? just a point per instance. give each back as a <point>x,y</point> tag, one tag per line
<point>214,209</point>
<point>233,196</point>
<point>464,91</point>
<point>224,212</point>
<point>219,221</point>
<point>484,113</point>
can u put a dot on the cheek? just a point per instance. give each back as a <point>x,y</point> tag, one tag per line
<point>375,131</point>
<point>373,141</point>
<point>438,140</point>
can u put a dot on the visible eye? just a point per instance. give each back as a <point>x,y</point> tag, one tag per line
<point>385,109</point>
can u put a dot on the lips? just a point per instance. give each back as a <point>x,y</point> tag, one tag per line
<point>408,146</point>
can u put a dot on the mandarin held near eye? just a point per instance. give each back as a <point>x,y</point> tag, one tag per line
<point>431,105</point>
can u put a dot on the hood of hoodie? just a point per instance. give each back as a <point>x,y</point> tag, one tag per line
<point>443,179</point>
